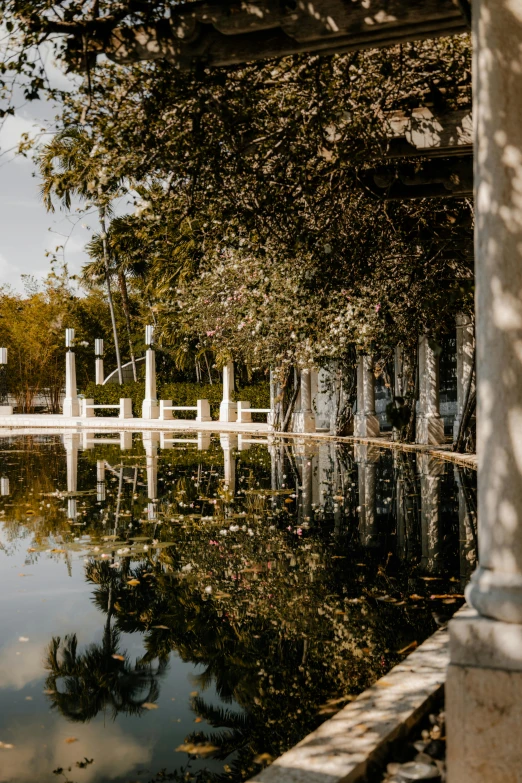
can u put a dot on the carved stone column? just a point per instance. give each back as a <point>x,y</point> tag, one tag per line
<point>366,422</point>
<point>430,425</point>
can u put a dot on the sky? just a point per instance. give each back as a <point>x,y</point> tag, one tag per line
<point>27,230</point>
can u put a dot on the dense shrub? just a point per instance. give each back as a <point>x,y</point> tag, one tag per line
<point>180,394</point>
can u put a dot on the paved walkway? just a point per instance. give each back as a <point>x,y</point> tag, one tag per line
<point>27,423</point>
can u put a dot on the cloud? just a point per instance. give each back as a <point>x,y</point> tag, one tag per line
<point>11,134</point>
<point>115,754</point>
<point>17,671</point>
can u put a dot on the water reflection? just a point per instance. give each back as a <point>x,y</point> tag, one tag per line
<point>221,596</point>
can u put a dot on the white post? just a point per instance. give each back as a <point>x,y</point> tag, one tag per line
<point>243,412</point>
<point>203,412</point>
<point>484,684</point>
<point>229,444</point>
<point>203,441</point>
<point>125,408</point>
<point>228,408</point>
<point>366,424</point>
<point>150,444</point>
<point>304,417</point>
<point>71,441</point>
<point>5,409</point>
<point>430,425</point>
<point>150,408</point>
<point>71,403</point>
<point>98,351</point>
<point>86,411</point>
<point>465,348</point>
<point>163,412</point>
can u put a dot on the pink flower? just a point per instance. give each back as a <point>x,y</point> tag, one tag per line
<point>299,531</point>
<point>377,307</point>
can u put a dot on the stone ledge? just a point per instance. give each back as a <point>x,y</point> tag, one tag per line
<point>479,642</point>
<point>346,747</point>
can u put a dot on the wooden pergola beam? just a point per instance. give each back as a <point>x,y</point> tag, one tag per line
<point>224,34</point>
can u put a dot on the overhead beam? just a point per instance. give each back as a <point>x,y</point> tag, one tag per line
<point>441,178</point>
<point>224,34</point>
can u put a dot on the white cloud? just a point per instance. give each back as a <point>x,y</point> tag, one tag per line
<point>115,754</point>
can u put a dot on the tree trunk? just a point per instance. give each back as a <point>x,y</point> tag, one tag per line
<point>122,282</point>
<point>109,293</point>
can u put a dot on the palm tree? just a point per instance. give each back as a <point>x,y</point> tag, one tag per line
<point>72,164</point>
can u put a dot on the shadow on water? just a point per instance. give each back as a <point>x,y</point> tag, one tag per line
<point>265,584</point>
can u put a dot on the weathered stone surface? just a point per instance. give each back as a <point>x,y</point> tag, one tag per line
<point>484,715</point>
<point>483,643</point>
<point>346,747</point>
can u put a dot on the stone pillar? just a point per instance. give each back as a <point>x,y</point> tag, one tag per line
<point>484,685</point>
<point>366,458</point>
<point>98,352</point>
<point>229,444</point>
<point>150,407</point>
<point>430,425</point>
<point>467,535</point>
<point>465,348</point>
<point>366,422</point>
<point>150,444</point>
<point>430,472</point>
<point>228,408</point>
<point>304,417</point>
<point>71,403</point>
<point>71,441</point>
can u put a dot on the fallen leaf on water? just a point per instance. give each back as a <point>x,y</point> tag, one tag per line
<point>445,595</point>
<point>6,745</point>
<point>262,758</point>
<point>70,740</point>
<point>197,750</point>
<point>133,582</point>
<point>408,647</point>
<point>118,657</point>
<point>23,639</point>
<point>416,597</point>
<point>198,720</point>
<point>163,627</point>
<point>149,705</point>
<point>431,578</point>
<point>193,693</point>
<point>49,692</point>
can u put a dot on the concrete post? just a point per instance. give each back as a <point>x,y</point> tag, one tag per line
<point>430,472</point>
<point>484,684</point>
<point>304,417</point>
<point>229,444</point>
<point>228,408</point>
<point>465,348</point>
<point>430,425</point>
<point>71,441</point>
<point>366,458</point>
<point>366,423</point>
<point>71,403</point>
<point>98,352</point>
<point>150,407</point>
<point>203,441</point>
<point>203,411</point>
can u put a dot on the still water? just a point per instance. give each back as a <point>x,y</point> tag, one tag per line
<point>188,608</point>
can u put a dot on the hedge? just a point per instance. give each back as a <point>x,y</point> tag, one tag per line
<point>180,394</point>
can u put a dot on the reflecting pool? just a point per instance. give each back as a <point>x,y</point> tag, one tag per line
<point>189,607</point>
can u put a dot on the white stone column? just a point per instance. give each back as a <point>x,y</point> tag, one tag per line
<point>229,444</point>
<point>71,403</point>
<point>366,458</point>
<point>430,425</point>
<point>304,417</point>
<point>366,424</point>
<point>228,408</point>
<point>465,348</point>
<point>71,441</point>
<point>484,684</point>
<point>150,444</point>
<point>150,407</point>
